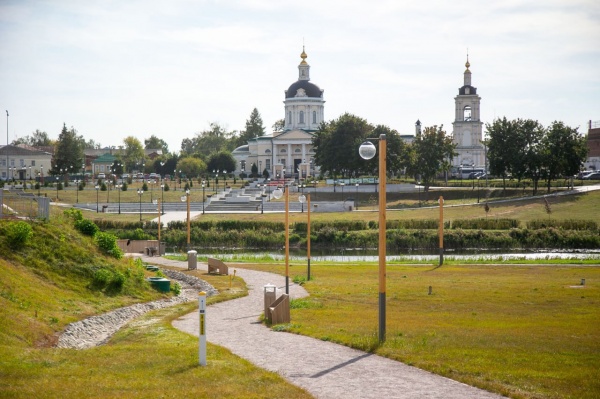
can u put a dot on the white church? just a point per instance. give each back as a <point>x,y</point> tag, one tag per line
<point>290,151</point>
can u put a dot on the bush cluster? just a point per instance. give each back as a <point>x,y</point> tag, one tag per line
<point>17,234</point>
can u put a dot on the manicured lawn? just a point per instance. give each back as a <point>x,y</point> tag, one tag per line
<point>523,331</point>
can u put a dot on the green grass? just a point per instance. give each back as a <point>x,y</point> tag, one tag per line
<point>147,359</point>
<point>48,284</point>
<point>523,331</point>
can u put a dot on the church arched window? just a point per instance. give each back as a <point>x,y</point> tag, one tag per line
<point>301,117</point>
<point>467,113</point>
<point>314,116</point>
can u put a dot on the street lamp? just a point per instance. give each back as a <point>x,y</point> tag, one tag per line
<point>162,198</point>
<point>118,188</point>
<point>308,236</point>
<point>97,187</point>
<point>108,183</point>
<point>342,184</point>
<point>185,198</point>
<point>473,175</point>
<point>57,181</point>
<point>203,199</point>
<point>419,186</point>
<point>278,194</point>
<point>367,151</point>
<point>77,189</point>
<point>302,200</point>
<point>140,192</point>
<point>39,183</point>
<point>175,174</point>
<point>356,200</point>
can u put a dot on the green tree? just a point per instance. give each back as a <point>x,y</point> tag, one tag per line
<point>278,125</point>
<point>527,160</point>
<point>502,143</point>
<point>564,151</point>
<point>37,139</point>
<point>431,152</point>
<point>208,142</point>
<point>191,167</point>
<point>336,145</point>
<point>133,154</point>
<point>221,161</point>
<point>254,128</point>
<point>154,143</point>
<point>68,154</point>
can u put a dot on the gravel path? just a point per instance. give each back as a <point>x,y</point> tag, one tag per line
<point>324,369</point>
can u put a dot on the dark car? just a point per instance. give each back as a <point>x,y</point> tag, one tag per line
<point>592,176</point>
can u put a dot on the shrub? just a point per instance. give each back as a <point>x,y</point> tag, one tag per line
<point>108,243</point>
<point>176,288</point>
<point>102,278</point>
<point>74,214</point>
<point>124,187</point>
<point>86,227</point>
<point>18,233</point>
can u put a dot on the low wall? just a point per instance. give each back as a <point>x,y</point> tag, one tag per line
<point>137,246</point>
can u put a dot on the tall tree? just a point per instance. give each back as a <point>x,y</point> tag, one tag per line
<point>564,150</point>
<point>221,161</point>
<point>278,125</point>
<point>432,151</point>
<point>502,145</point>
<point>133,154</point>
<point>68,154</point>
<point>191,167</point>
<point>208,142</point>
<point>154,143</point>
<point>254,128</point>
<point>336,145</point>
<point>37,139</point>
<point>527,159</point>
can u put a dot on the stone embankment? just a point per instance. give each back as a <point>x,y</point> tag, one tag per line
<point>97,330</point>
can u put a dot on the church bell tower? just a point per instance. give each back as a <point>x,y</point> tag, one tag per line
<point>467,126</point>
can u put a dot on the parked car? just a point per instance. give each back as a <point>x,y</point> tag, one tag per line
<point>592,176</point>
<point>101,176</point>
<point>125,176</point>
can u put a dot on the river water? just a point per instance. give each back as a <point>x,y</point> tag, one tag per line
<point>358,255</point>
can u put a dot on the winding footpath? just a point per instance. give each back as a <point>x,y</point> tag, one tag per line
<point>324,369</point>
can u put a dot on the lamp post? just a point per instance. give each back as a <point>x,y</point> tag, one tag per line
<point>203,198</point>
<point>7,145</point>
<point>278,193</point>
<point>441,229</point>
<point>77,189</point>
<point>39,183</point>
<point>473,175</point>
<point>308,236</point>
<point>185,198</point>
<point>118,188</point>
<point>140,192</point>
<point>162,198</point>
<point>478,191</point>
<point>175,174</point>
<point>342,184</point>
<point>367,151</point>
<point>57,181</point>
<point>356,200</point>
<point>419,186</point>
<point>97,187</point>
<point>108,183</point>
<point>302,200</point>
<point>179,179</point>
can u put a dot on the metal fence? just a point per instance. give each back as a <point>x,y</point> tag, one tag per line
<point>19,204</point>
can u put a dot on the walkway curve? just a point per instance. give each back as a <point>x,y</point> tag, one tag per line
<point>324,369</point>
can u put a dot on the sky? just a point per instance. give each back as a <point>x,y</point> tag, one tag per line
<point>113,69</point>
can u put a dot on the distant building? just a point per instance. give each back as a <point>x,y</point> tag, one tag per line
<point>23,163</point>
<point>467,126</point>
<point>291,149</point>
<point>593,144</point>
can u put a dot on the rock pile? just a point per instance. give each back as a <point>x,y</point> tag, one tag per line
<point>97,330</point>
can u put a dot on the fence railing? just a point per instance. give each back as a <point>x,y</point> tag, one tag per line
<point>17,204</point>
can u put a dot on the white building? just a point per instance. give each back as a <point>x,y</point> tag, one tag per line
<point>23,163</point>
<point>290,151</point>
<point>467,126</point>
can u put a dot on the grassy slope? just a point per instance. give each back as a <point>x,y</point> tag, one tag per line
<point>45,286</point>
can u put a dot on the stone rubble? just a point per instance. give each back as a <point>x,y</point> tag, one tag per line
<point>97,330</point>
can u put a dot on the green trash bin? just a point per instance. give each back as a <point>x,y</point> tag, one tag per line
<point>160,283</point>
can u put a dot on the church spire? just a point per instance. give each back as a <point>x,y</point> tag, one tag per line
<point>467,72</point>
<point>303,68</point>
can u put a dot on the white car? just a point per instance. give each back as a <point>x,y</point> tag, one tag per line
<point>101,176</point>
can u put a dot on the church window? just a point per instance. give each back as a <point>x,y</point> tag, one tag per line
<point>267,151</point>
<point>290,117</point>
<point>314,116</point>
<point>268,164</point>
<point>297,150</point>
<point>283,151</point>
<point>467,113</point>
<point>301,117</point>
